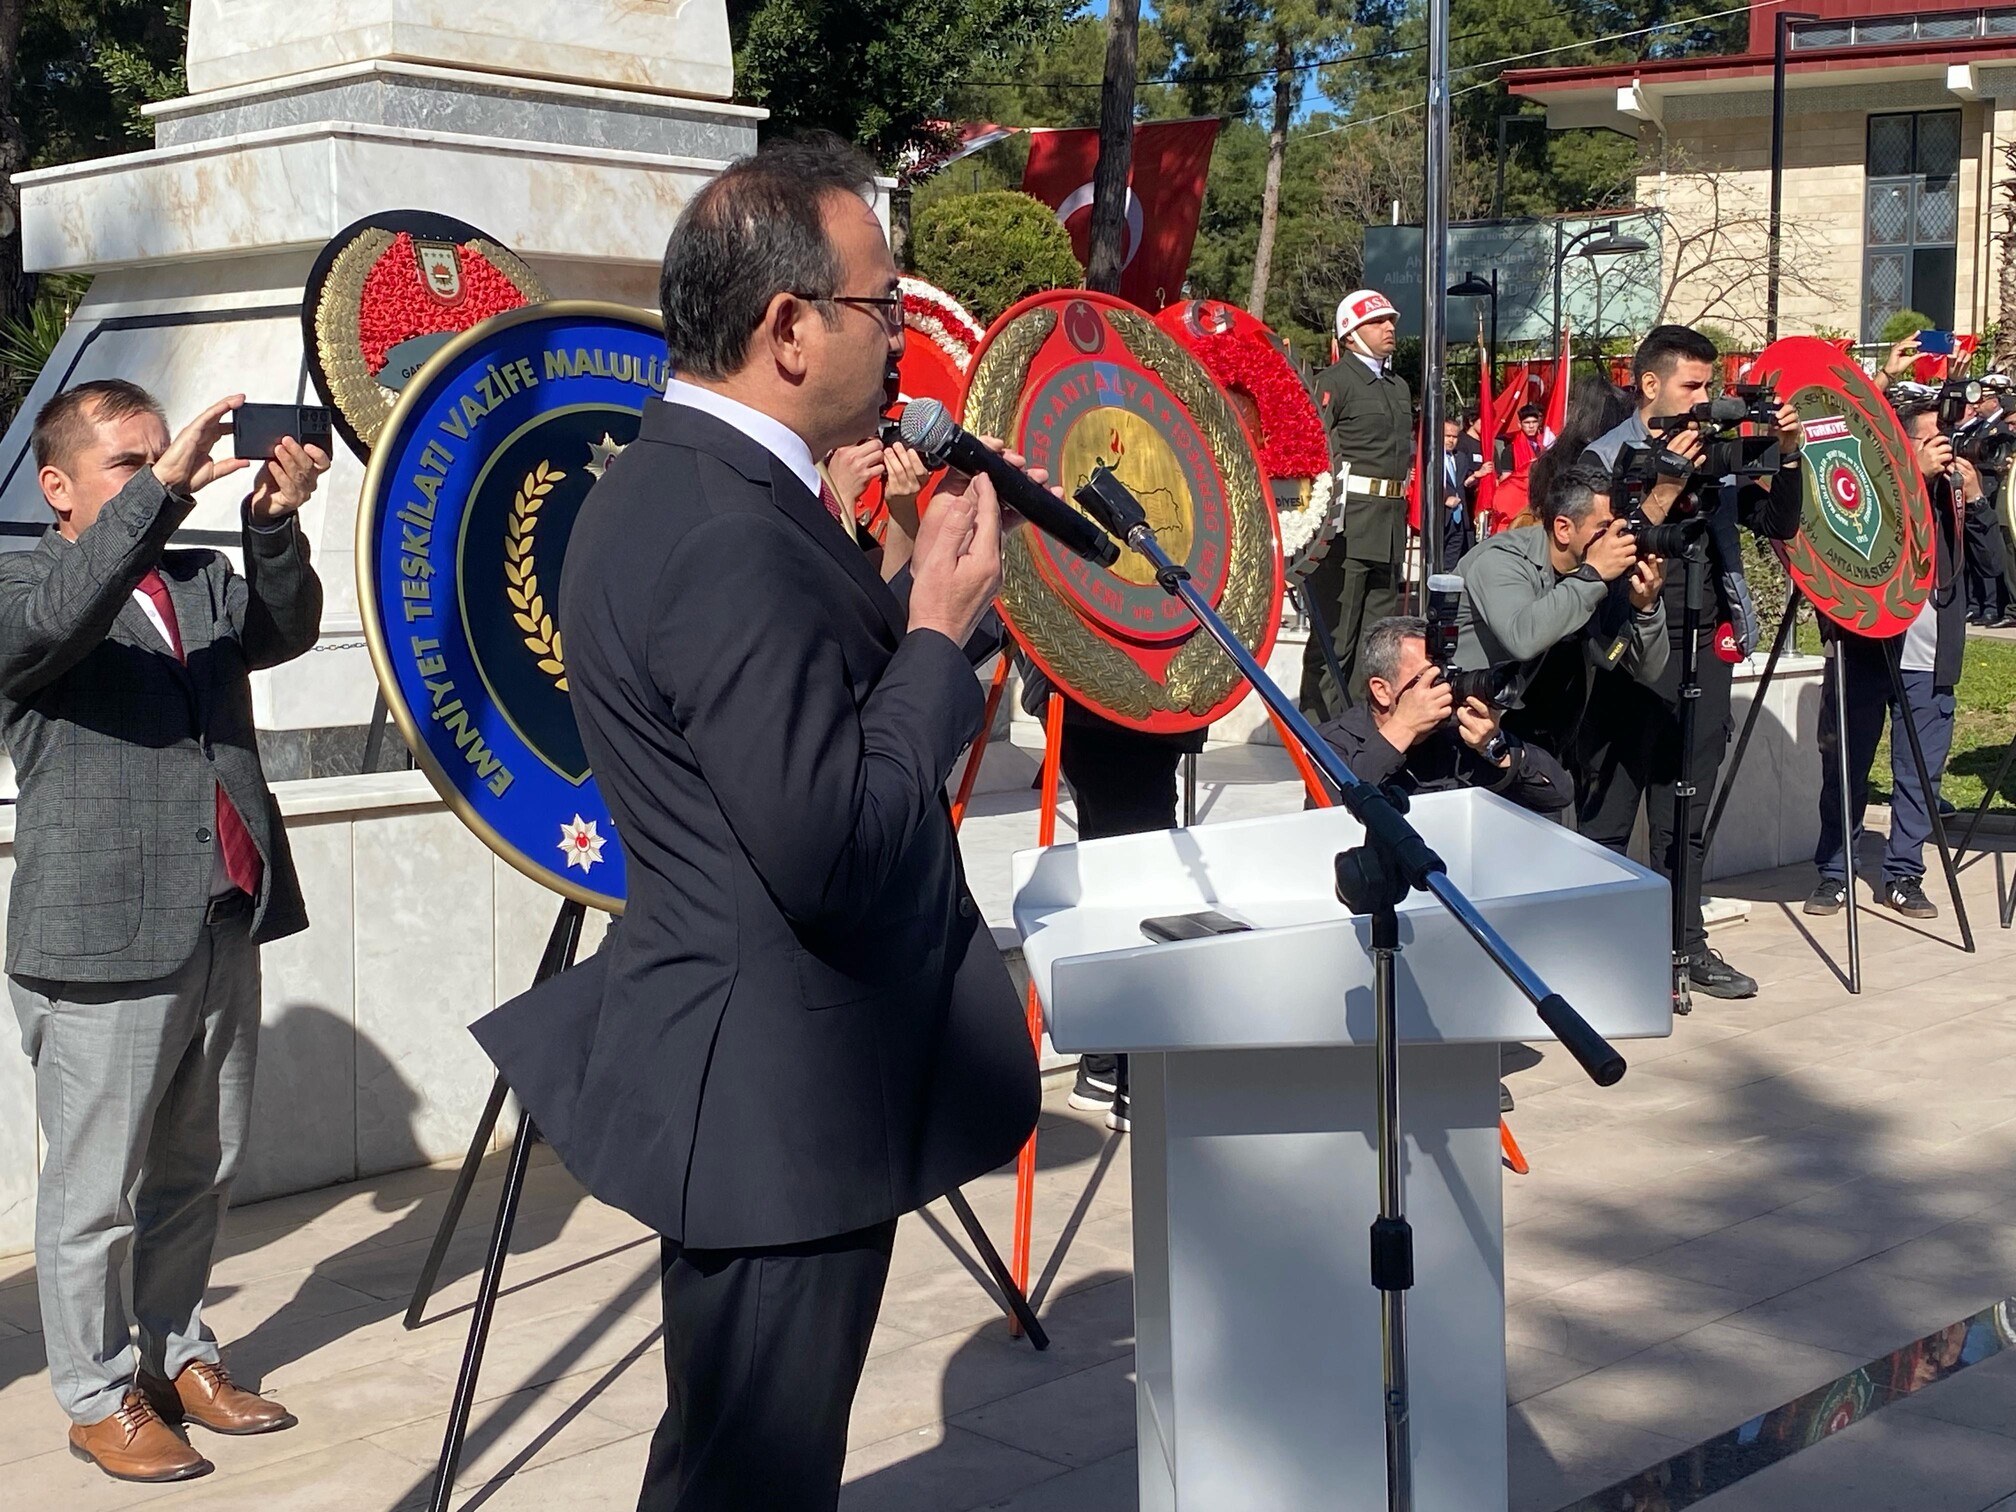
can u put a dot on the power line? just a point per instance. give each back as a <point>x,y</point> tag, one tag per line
<point>1734,10</point>
<point>1226,78</point>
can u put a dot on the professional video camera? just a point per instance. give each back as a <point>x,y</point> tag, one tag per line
<point>1728,452</point>
<point>1499,687</point>
<point>1989,447</point>
<point>1639,470</point>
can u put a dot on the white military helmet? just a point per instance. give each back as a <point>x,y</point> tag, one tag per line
<point>1359,306</point>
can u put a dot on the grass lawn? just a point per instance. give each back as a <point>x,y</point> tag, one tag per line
<point>1984,723</point>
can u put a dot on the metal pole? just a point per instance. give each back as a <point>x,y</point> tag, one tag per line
<point>1893,652</point>
<point>1560,256</point>
<point>1498,193</point>
<point>1434,283</point>
<point>1321,632</point>
<point>1781,34</point>
<point>1735,762</point>
<point>1189,788</point>
<point>1987,798</point>
<point>1012,1299</point>
<point>479,1322</point>
<point>374,739</point>
<point>1392,1239</point>
<point>1681,866</point>
<point>561,945</point>
<point>1840,660</point>
<point>1492,358</point>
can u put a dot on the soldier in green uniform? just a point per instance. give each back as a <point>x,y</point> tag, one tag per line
<point>1369,413</point>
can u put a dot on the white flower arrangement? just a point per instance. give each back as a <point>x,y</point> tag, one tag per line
<point>1300,526</point>
<point>940,319</point>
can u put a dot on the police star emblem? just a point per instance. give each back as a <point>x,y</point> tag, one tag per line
<point>602,453</point>
<point>580,843</point>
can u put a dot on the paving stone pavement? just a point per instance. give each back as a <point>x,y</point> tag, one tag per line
<point>1784,1190</point>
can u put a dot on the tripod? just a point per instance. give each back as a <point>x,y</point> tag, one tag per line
<point>1683,872</point>
<point>2008,905</point>
<point>1373,877</point>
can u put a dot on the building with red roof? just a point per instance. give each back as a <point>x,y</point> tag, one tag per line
<point>1896,130</point>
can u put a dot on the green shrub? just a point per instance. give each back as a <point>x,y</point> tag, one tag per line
<point>990,249</point>
<point>1903,323</point>
<point>1725,339</point>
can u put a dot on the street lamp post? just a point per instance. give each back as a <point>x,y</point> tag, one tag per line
<point>1781,44</point>
<point>1602,241</point>
<point>1508,118</point>
<point>1474,287</point>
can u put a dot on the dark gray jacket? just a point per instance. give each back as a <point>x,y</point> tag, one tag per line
<point>1442,763</point>
<point>119,747</point>
<point>1517,608</point>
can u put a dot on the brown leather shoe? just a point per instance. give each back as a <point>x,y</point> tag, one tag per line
<point>204,1393</point>
<point>135,1445</point>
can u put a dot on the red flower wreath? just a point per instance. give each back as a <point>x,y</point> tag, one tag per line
<point>1243,360</point>
<point>396,305</point>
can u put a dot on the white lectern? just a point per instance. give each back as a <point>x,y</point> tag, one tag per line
<point>1254,1129</point>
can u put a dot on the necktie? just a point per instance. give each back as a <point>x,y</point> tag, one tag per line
<point>241,856</point>
<point>829,498</point>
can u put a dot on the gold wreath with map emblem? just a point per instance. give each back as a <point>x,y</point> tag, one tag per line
<point>1199,676</point>
<point>521,573</point>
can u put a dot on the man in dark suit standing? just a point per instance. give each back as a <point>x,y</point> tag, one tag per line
<point>149,866</point>
<point>801,1029</point>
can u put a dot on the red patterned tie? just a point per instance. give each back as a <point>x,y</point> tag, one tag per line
<point>241,856</point>
<point>830,499</point>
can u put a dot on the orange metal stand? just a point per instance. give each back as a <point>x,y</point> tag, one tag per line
<point>979,747</point>
<point>1025,1164</point>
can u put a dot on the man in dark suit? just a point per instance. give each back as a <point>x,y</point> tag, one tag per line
<point>1458,532</point>
<point>801,1029</point>
<point>1471,465</point>
<point>149,866</point>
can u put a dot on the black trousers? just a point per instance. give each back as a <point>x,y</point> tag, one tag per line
<point>1870,697</point>
<point>1351,597</point>
<point>1124,783</point>
<point>763,1352</point>
<point>1987,589</point>
<point>1630,750</point>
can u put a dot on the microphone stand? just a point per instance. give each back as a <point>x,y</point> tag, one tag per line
<point>1372,878</point>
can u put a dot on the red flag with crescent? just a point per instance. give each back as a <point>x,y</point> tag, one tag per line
<point>1165,195</point>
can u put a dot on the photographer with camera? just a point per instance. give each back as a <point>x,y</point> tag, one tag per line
<point>1678,458</point>
<point>1412,732</point>
<point>1981,454</point>
<point>1552,600</point>
<point>1929,658</point>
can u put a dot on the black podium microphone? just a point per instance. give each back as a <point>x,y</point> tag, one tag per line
<point>927,428</point>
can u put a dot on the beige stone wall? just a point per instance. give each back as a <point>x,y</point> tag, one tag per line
<point>1719,171</point>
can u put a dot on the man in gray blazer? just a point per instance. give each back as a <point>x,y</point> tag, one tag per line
<point>149,865</point>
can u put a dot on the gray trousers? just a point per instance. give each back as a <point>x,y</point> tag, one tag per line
<point>145,1093</point>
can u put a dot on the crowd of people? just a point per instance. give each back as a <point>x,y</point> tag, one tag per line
<point>1592,629</point>
<point>773,701</point>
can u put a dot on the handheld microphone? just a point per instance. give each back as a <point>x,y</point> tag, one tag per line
<point>928,429</point>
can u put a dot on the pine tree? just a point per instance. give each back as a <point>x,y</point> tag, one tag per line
<point>1226,51</point>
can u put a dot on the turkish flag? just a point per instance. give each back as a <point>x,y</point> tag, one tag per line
<point>1937,369</point>
<point>1165,195</point>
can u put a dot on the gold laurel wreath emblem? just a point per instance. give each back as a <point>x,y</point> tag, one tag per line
<point>1199,676</point>
<point>521,574</point>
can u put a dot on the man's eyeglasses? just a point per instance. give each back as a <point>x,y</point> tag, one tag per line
<point>887,308</point>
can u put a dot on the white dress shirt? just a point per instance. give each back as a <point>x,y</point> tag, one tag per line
<point>775,437</point>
